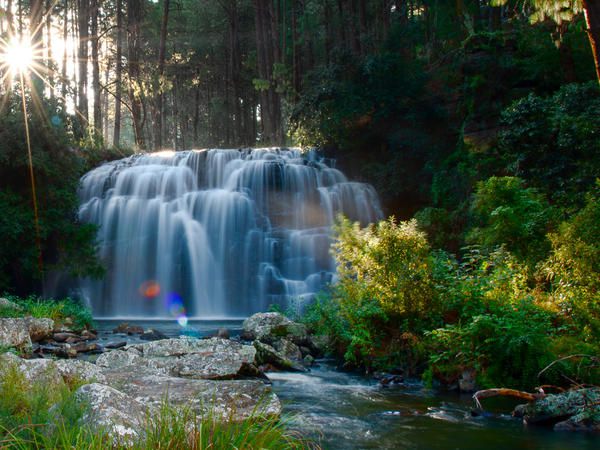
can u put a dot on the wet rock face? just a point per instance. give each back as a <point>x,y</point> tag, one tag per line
<point>572,410</point>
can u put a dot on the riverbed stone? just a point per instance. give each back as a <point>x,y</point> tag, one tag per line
<point>267,355</point>
<point>32,370</point>
<point>123,417</point>
<point>260,326</point>
<point>118,358</point>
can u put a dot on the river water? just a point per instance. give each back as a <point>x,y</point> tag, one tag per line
<point>345,411</point>
<point>341,410</point>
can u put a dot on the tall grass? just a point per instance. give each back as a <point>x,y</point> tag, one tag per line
<point>63,312</point>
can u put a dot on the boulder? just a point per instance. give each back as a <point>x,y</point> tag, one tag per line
<point>120,415</point>
<point>271,326</point>
<point>213,358</point>
<point>15,333</point>
<point>39,329</point>
<point>575,409</point>
<point>231,400</point>
<point>267,355</point>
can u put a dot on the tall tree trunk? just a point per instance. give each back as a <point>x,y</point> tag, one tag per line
<point>118,74</point>
<point>592,20</point>
<point>95,9</point>
<point>37,36</point>
<point>65,56</point>
<point>83,18</point>
<point>134,21</point>
<point>48,47</point>
<point>159,84</point>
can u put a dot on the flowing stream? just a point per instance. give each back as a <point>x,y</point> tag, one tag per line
<point>345,411</point>
<point>215,233</point>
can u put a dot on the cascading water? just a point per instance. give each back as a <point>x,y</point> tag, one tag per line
<point>217,233</point>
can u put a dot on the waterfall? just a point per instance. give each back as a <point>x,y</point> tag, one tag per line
<point>215,233</point>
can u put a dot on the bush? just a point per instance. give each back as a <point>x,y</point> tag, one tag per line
<point>573,268</point>
<point>505,212</point>
<point>383,294</point>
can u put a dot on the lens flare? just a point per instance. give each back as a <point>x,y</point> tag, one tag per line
<point>182,320</point>
<point>150,289</point>
<point>174,304</point>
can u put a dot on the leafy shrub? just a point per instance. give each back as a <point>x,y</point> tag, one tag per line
<point>573,268</point>
<point>383,292</point>
<point>506,346</point>
<point>505,212</point>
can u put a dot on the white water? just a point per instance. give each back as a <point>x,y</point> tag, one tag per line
<point>223,233</point>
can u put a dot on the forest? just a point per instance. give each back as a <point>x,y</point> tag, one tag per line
<point>476,121</point>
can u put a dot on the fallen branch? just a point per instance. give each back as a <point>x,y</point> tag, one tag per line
<point>486,393</point>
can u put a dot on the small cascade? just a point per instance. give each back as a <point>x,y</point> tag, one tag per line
<point>215,233</point>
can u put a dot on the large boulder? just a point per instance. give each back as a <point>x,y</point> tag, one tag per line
<point>15,333</point>
<point>271,326</point>
<point>213,358</point>
<point>120,415</point>
<point>230,400</point>
<point>572,410</point>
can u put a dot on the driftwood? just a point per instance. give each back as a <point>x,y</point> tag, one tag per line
<point>496,392</point>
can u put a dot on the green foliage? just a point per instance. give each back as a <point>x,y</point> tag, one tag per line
<point>506,346</point>
<point>573,267</point>
<point>552,143</point>
<point>384,279</point>
<point>65,244</point>
<point>65,312</point>
<point>505,212</point>
<point>42,415</point>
